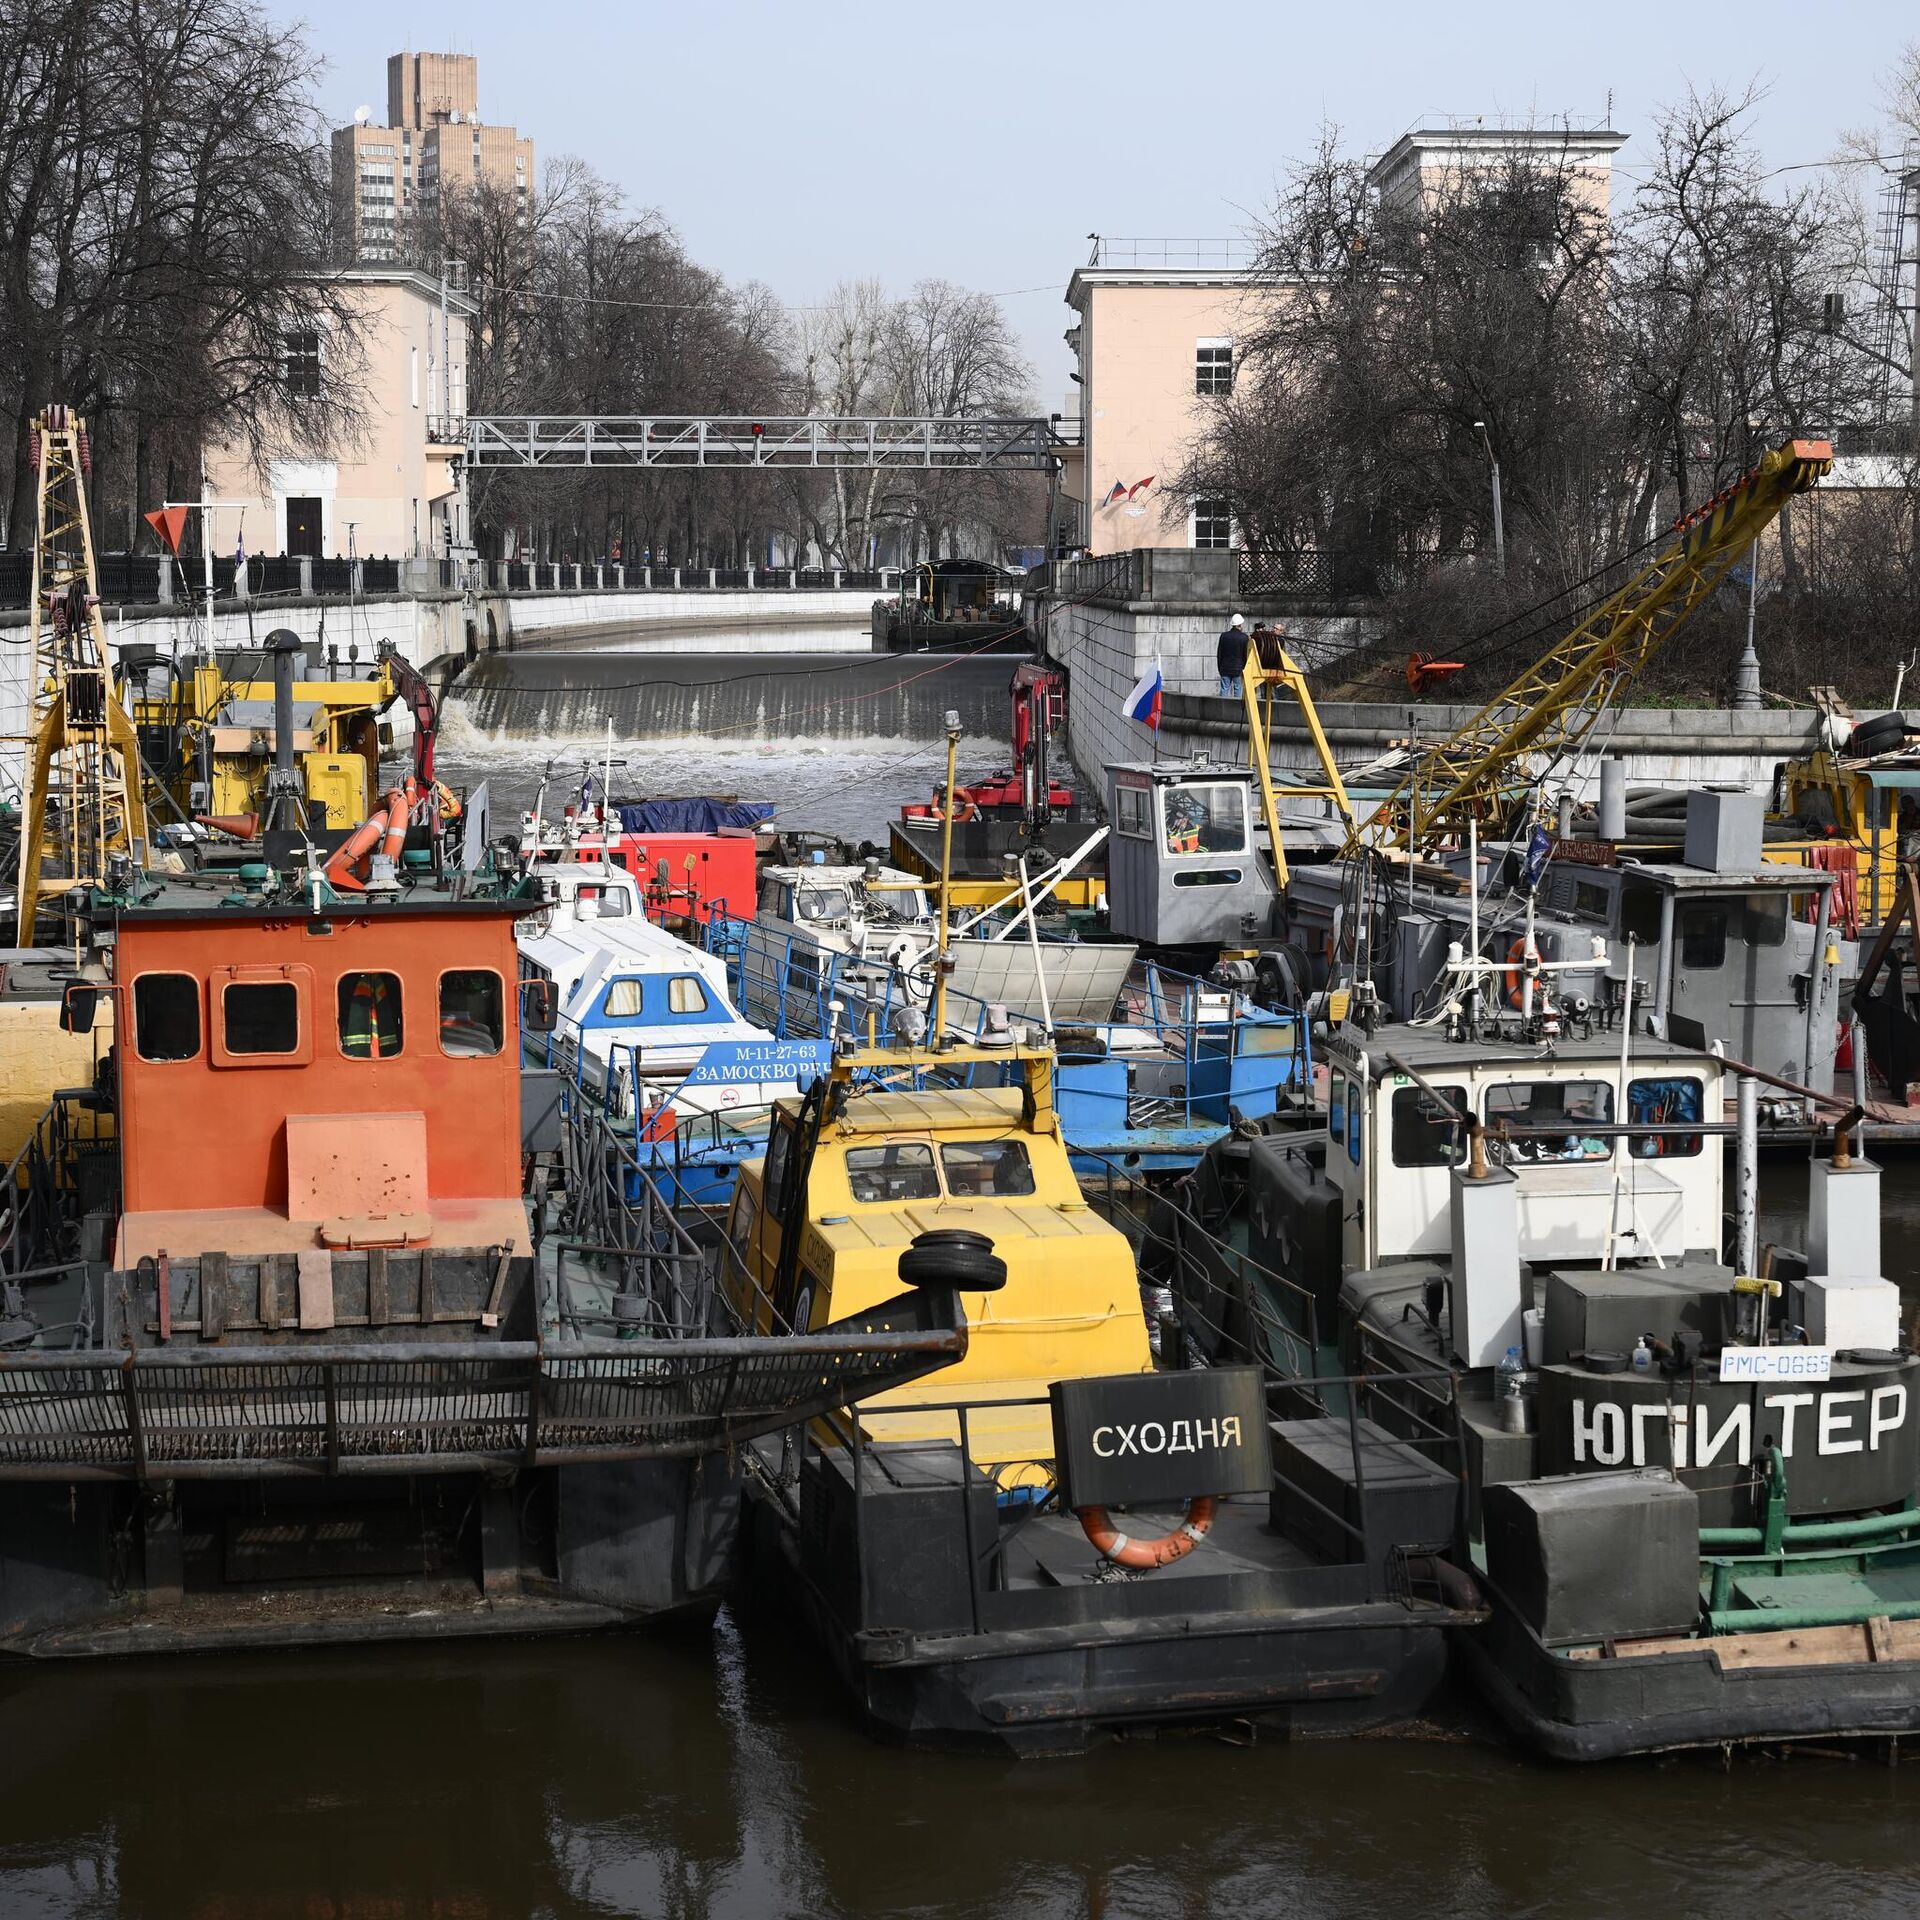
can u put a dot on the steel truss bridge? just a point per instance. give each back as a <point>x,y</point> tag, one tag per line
<point>577,441</point>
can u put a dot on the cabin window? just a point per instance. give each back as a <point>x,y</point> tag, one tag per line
<point>687,994</point>
<point>1590,899</point>
<point>1209,877</point>
<point>823,903</point>
<point>261,1016</point>
<point>1640,913</point>
<point>624,1000</point>
<point>987,1169</point>
<point>774,1178</point>
<point>1425,1134</point>
<point>472,1019</point>
<point>1703,938</point>
<point>166,1016</point>
<point>1130,812</point>
<point>1209,817</point>
<point>901,1170</point>
<point>1551,1116</point>
<point>370,1015</point>
<point>1337,1106</point>
<point>1664,1102</point>
<point>614,904</point>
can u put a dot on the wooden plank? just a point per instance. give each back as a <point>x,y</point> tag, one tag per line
<point>378,1307</point>
<point>1880,1638</point>
<point>213,1295</point>
<point>316,1288</point>
<point>269,1293</point>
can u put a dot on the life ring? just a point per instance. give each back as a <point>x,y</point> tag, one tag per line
<point>1162,1551</point>
<point>1515,975</point>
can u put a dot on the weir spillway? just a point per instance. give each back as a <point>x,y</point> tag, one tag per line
<point>563,694</point>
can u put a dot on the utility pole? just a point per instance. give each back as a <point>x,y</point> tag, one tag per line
<point>1499,525</point>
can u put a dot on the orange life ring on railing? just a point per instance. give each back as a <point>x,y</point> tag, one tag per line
<point>1162,1551</point>
<point>1515,975</point>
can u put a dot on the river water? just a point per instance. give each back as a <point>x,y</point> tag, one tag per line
<point>717,1770</point>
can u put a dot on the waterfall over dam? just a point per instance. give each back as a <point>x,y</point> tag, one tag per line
<point>773,697</point>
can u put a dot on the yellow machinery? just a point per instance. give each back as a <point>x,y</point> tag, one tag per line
<point>1482,772</point>
<point>853,1173</point>
<point>1270,671</point>
<point>208,735</point>
<point>81,805</point>
<point>1864,805</point>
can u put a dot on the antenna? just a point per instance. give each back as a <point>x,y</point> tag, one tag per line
<point>361,115</point>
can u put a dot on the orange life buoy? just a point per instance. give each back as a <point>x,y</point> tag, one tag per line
<point>388,824</point>
<point>1515,975</point>
<point>1160,1552</point>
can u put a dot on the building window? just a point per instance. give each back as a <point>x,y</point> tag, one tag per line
<point>471,1023</point>
<point>370,1016</point>
<point>302,370</point>
<point>1213,368</point>
<point>1212,523</point>
<point>261,1016</point>
<point>166,1016</point>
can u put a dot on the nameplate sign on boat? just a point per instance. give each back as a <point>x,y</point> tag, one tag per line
<point>733,1063</point>
<point>1776,1363</point>
<point>1138,1437</point>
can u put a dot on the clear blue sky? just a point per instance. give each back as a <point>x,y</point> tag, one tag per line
<point>803,145</point>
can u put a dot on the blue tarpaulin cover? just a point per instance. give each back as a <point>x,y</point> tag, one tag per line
<point>691,816</point>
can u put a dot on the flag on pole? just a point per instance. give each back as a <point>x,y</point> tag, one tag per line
<point>1140,486</point>
<point>1143,703</point>
<point>1119,493</point>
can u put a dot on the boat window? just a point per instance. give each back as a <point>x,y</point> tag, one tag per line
<point>1209,877</point>
<point>1640,913</point>
<point>471,1023</point>
<point>261,1016</point>
<point>773,1178</point>
<point>1766,919</point>
<point>823,903</point>
<point>166,1016</point>
<point>686,994</point>
<point>1557,1111</point>
<point>624,999</point>
<point>901,1170</point>
<point>613,903</point>
<point>1209,817</point>
<point>987,1169</point>
<point>1590,899</point>
<point>1653,1103</point>
<point>1425,1134</point>
<point>1703,938</point>
<point>1337,1106</point>
<point>370,1015</point>
<point>1130,812</point>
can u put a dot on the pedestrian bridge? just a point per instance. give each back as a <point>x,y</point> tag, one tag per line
<point>603,440</point>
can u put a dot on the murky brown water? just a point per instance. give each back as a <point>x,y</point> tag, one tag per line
<point>720,1773</point>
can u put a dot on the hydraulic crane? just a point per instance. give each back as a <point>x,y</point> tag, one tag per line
<point>82,806</point>
<point>1482,771</point>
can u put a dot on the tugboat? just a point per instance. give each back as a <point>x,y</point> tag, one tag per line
<point>1054,1539</point>
<point>280,1361</point>
<point>1691,1483</point>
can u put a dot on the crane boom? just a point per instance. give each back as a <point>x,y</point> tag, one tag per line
<point>1554,704</point>
<point>82,802</point>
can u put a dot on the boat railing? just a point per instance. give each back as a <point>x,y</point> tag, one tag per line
<point>37,1199</point>
<point>1363,1562</point>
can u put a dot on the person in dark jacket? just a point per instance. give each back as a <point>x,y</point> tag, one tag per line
<point>1231,657</point>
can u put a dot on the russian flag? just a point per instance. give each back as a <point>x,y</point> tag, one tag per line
<point>1143,703</point>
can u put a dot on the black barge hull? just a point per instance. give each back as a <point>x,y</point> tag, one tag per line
<point>1614,1708</point>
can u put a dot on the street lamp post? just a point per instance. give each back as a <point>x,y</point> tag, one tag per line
<point>1499,525</point>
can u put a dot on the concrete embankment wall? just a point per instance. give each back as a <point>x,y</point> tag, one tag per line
<point>686,622</point>
<point>785,696</point>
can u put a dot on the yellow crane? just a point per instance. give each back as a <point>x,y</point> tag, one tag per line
<point>1482,770</point>
<point>1269,672</point>
<point>81,805</point>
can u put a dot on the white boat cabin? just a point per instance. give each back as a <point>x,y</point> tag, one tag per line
<point>646,1021</point>
<point>1391,1145</point>
<point>871,912</point>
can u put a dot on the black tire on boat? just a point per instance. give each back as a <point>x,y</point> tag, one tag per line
<point>953,1257</point>
<point>1881,734</point>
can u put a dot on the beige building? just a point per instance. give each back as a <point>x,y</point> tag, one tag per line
<point>393,492</point>
<point>1157,327</point>
<point>434,142</point>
